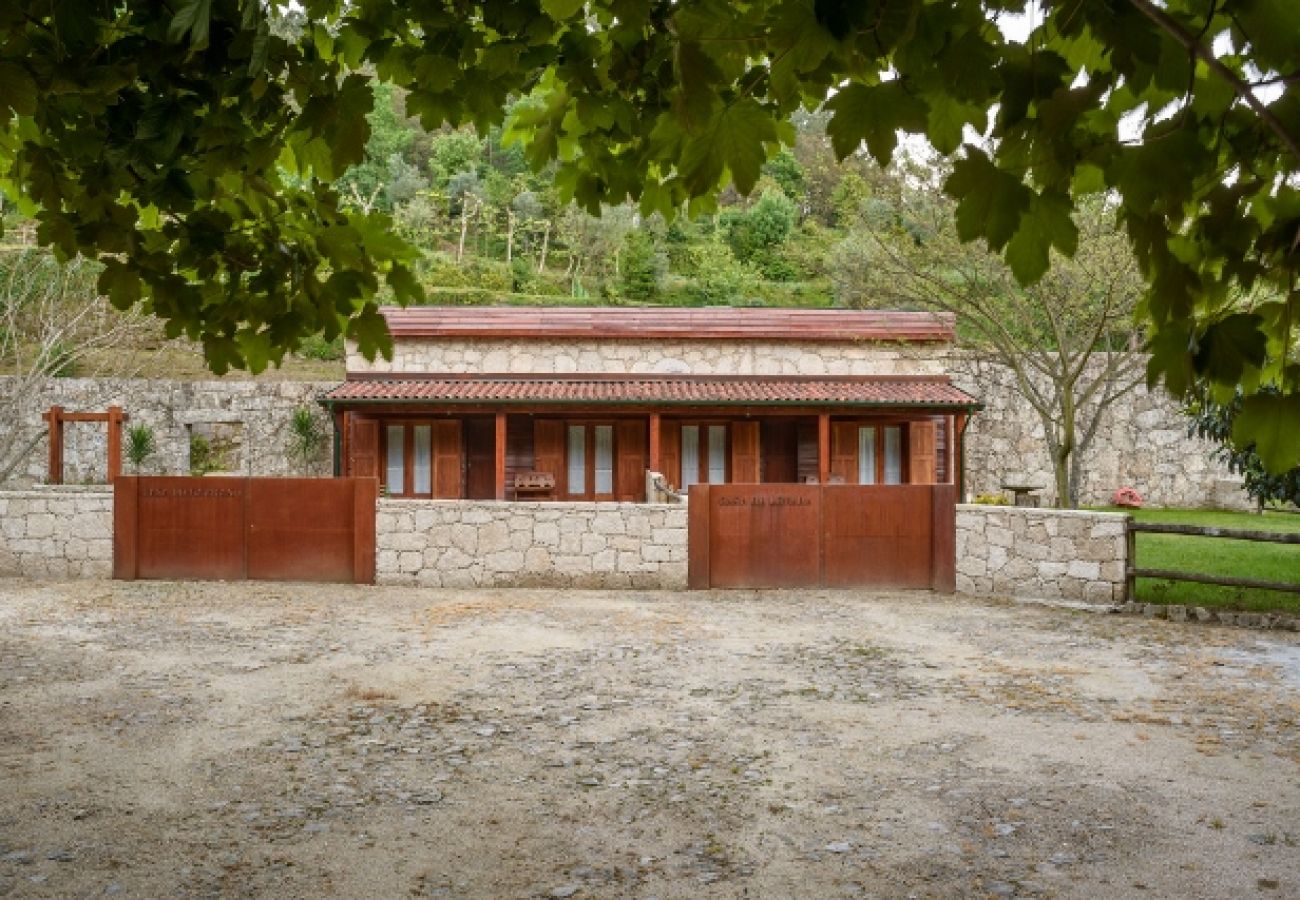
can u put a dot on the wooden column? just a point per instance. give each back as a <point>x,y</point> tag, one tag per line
<point>654,443</point>
<point>54,472</point>
<point>824,448</point>
<point>959,457</point>
<point>115,418</point>
<point>501,457</point>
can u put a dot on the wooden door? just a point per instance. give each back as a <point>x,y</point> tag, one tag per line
<point>670,452</point>
<point>745,466</point>
<point>447,467</point>
<point>920,452</point>
<point>844,452</point>
<point>480,459</point>
<point>548,452</point>
<point>778,453</point>
<point>630,461</point>
<point>363,447</point>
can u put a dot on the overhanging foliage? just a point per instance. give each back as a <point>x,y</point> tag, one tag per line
<point>193,149</point>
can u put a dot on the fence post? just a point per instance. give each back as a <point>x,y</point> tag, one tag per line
<point>1130,561</point>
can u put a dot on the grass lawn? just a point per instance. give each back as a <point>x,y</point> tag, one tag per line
<point>1218,556</point>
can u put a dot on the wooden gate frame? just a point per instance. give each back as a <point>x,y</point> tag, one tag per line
<point>56,417</point>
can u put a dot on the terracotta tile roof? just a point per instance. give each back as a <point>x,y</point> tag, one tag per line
<point>710,323</point>
<point>655,390</point>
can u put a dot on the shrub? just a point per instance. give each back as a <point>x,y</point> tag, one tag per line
<point>140,445</point>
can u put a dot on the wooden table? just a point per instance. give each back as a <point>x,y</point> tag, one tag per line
<point>1024,493</point>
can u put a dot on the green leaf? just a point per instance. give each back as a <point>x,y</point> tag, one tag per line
<point>743,132</point>
<point>991,202</point>
<point>560,10</point>
<point>947,119</point>
<point>1272,423</point>
<point>874,114</point>
<point>17,90</point>
<point>406,289</point>
<point>1045,224</point>
<point>370,331</point>
<point>1229,346</point>
<point>192,17</point>
<point>120,283</point>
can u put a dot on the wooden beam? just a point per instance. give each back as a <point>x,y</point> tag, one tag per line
<point>823,448</point>
<point>115,419</point>
<point>54,470</point>
<point>654,443</point>
<point>959,451</point>
<point>501,456</point>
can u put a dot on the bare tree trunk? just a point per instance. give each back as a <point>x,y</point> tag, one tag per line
<point>464,228</point>
<point>510,236</point>
<point>546,240</point>
<point>365,204</point>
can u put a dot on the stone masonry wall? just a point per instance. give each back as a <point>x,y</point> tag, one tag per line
<point>1141,442</point>
<point>61,533</point>
<point>261,412</point>
<point>550,357</point>
<point>500,544</point>
<point>1042,554</point>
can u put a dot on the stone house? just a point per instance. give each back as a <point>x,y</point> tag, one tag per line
<point>579,404</point>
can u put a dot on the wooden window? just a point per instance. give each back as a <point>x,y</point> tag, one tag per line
<point>703,457</point>
<point>883,452</point>
<point>577,461</point>
<point>395,460</point>
<point>589,461</point>
<point>867,455</point>
<point>423,459</point>
<point>893,454</point>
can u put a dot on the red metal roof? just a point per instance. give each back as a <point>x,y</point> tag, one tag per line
<point>711,323</point>
<point>655,390</point>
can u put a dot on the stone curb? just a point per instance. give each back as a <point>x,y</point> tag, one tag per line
<point>1179,613</point>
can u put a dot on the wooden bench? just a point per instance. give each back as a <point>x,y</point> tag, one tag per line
<point>534,486</point>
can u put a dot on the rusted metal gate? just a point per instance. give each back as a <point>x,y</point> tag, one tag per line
<point>260,529</point>
<point>799,535</point>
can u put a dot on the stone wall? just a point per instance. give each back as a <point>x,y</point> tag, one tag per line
<point>1042,554</point>
<point>486,543</point>
<point>62,533</point>
<point>1141,442</point>
<point>254,414</point>
<point>721,357</point>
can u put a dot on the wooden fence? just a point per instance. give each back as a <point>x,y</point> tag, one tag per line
<point>1133,572</point>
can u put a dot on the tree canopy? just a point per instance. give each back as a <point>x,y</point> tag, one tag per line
<point>195,150</point>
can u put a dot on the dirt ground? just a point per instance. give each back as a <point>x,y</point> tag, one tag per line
<point>162,740</point>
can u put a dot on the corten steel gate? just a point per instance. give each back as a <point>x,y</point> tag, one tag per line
<point>802,535</point>
<point>261,529</point>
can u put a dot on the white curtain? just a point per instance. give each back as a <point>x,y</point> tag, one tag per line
<point>577,459</point>
<point>866,455</point>
<point>396,474</point>
<point>423,461</point>
<point>604,459</point>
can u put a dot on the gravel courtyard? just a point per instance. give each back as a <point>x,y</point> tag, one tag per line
<point>210,740</point>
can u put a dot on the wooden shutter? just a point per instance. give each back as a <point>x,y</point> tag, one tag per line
<point>363,447</point>
<point>548,452</point>
<point>629,461</point>
<point>744,453</point>
<point>920,452</point>
<point>448,480</point>
<point>844,452</point>
<point>670,452</point>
